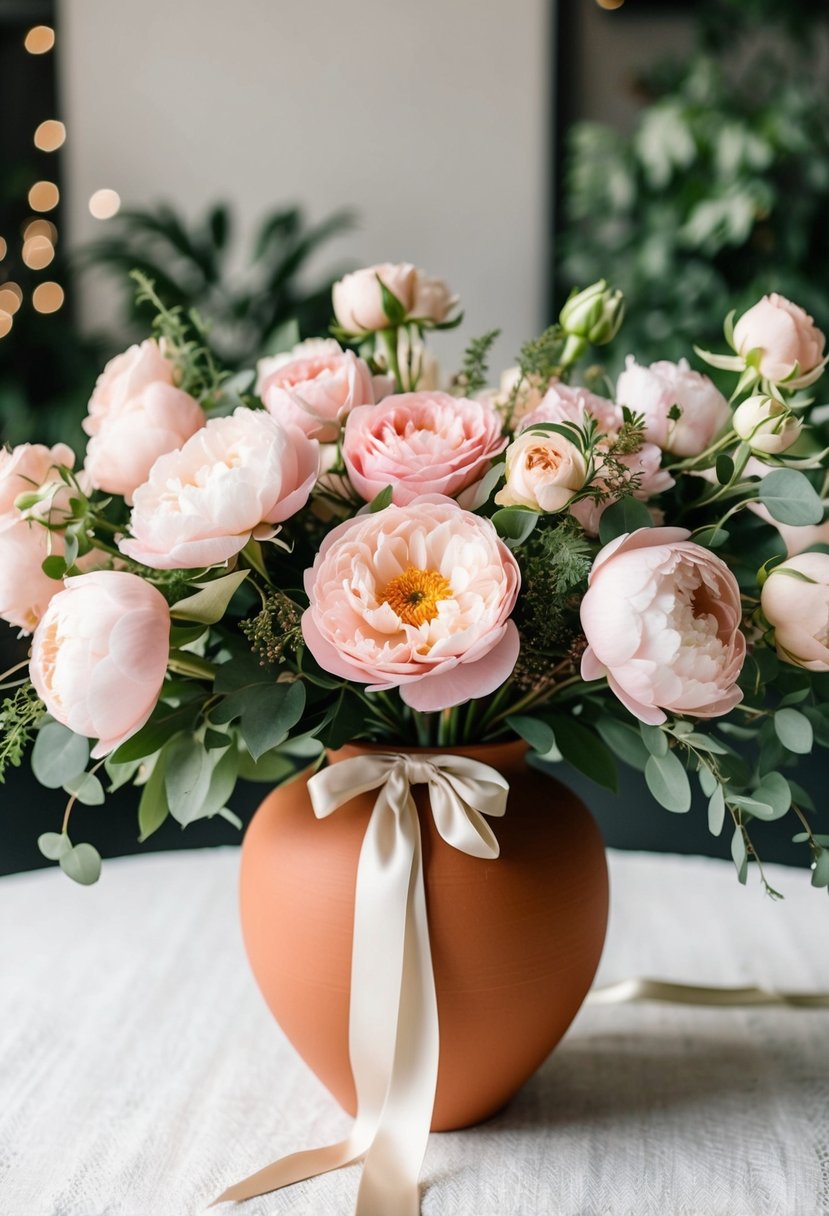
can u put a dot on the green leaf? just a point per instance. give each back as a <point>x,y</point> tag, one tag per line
<point>774,791</point>
<point>537,733</point>
<point>707,781</point>
<point>739,855</point>
<point>58,755</point>
<point>668,782</point>
<point>216,740</point>
<point>790,498</point>
<point>153,808</point>
<point>752,805</point>
<point>820,869</point>
<point>655,740</point>
<point>209,604</point>
<point>724,468</point>
<point>716,811</point>
<point>54,567</point>
<point>272,768</point>
<point>705,743</point>
<point>624,740</point>
<point>381,500</point>
<point>794,730</point>
<point>394,309</point>
<point>54,844</point>
<point>514,524</point>
<point>582,748</point>
<point>222,783</point>
<point>187,774</point>
<point>711,537</point>
<point>82,864</point>
<point>87,789</point>
<point>626,515</point>
<point>164,722</point>
<point>266,713</point>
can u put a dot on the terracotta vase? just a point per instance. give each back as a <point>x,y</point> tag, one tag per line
<point>515,941</point>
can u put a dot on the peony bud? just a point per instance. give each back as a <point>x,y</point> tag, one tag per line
<point>795,602</point>
<point>596,313</point>
<point>766,425</point>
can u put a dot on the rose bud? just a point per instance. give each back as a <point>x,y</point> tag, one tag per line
<point>789,342</point>
<point>795,602</point>
<point>766,425</point>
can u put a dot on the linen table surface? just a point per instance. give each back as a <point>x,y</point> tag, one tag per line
<point>140,1072</point>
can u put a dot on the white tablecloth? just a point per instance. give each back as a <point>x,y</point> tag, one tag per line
<point>140,1072</point>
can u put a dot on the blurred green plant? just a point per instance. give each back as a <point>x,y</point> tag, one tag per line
<point>196,266</point>
<point>721,192</point>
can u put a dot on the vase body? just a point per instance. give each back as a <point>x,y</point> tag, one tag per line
<point>515,941</point>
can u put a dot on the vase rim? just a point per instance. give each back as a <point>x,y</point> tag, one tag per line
<point>502,752</point>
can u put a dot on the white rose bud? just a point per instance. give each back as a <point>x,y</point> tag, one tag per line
<point>543,472</point>
<point>795,602</point>
<point>766,425</point>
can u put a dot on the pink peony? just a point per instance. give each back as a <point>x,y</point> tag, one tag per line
<point>415,597</point>
<point>136,414</point>
<point>25,591</point>
<point>203,503</point>
<point>309,348</point>
<point>99,655</point>
<point>787,338</point>
<point>563,403</point>
<point>316,392</point>
<point>795,601</point>
<point>420,443</point>
<point>662,619</point>
<point>663,389</point>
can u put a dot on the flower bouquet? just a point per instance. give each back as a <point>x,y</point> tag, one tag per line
<point>249,572</point>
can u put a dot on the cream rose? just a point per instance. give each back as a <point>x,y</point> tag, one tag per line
<point>787,338</point>
<point>662,619</point>
<point>99,655</point>
<point>416,597</point>
<point>684,411</point>
<point>795,602</point>
<point>543,472</point>
<point>203,503</point>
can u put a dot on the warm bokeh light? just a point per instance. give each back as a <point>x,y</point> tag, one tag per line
<point>38,252</point>
<point>50,135</point>
<point>11,297</point>
<point>41,228</point>
<point>43,196</point>
<point>39,40</point>
<point>6,322</point>
<point>47,297</point>
<point>104,204</point>
<point>610,4</point>
<point>3,249</point>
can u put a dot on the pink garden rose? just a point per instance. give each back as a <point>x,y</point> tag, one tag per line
<point>543,471</point>
<point>795,602</point>
<point>415,597</point>
<point>420,443</point>
<point>136,414</point>
<point>203,503</point>
<point>309,348</point>
<point>659,390</point>
<point>787,338</point>
<point>99,655</point>
<point>662,620</point>
<point>358,297</point>
<point>566,403</point>
<point>25,591</point>
<point>316,392</point>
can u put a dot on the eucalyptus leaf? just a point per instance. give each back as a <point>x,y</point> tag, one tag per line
<point>794,730</point>
<point>210,602</point>
<point>624,740</point>
<point>739,854</point>
<point>537,733</point>
<point>81,863</point>
<point>582,748</point>
<point>790,498</point>
<point>54,844</point>
<point>514,524</point>
<point>58,755</point>
<point>655,739</point>
<point>820,869</point>
<point>626,515</point>
<point>668,782</point>
<point>164,722</point>
<point>716,811</point>
<point>187,774</point>
<point>86,788</point>
<point>153,808</point>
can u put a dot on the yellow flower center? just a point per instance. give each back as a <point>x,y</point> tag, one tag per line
<point>414,595</point>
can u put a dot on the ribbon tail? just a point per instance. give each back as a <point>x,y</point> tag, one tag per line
<point>295,1168</point>
<point>392,1166</point>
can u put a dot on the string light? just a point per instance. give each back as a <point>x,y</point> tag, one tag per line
<point>104,204</point>
<point>3,249</point>
<point>11,297</point>
<point>41,228</point>
<point>6,322</point>
<point>39,40</point>
<point>38,252</point>
<point>44,196</point>
<point>610,5</point>
<point>47,297</point>
<point>50,135</point>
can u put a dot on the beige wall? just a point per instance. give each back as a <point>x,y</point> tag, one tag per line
<point>430,119</point>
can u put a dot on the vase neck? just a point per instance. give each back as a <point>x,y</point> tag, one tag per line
<point>505,757</point>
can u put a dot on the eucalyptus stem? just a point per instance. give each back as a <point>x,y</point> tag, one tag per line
<point>17,667</point>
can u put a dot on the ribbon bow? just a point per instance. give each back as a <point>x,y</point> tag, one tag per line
<point>393,1016</point>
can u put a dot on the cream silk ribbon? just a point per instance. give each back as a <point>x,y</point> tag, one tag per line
<point>393,1017</point>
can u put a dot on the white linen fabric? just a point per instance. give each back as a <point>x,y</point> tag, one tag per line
<point>140,1071</point>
